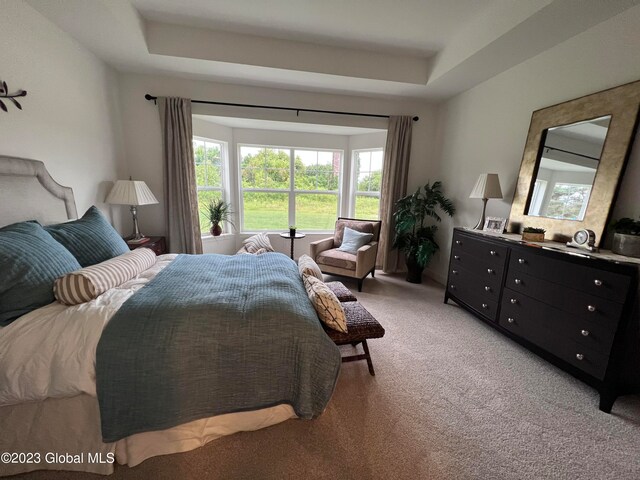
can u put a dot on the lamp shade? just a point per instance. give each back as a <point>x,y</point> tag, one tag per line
<point>131,192</point>
<point>487,186</point>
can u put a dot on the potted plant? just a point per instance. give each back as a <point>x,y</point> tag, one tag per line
<point>532,234</point>
<point>626,239</point>
<point>412,237</point>
<point>218,211</point>
<point>292,231</point>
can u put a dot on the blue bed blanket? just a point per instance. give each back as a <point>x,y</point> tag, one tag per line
<point>213,334</point>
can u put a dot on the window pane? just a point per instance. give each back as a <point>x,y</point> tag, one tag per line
<point>369,171</point>
<point>568,201</point>
<point>265,211</point>
<point>367,208</point>
<point>316,211</point>
<point>204,197</point>
<point>264,168</point>
<point>317,170</point>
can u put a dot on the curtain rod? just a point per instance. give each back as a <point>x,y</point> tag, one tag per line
<point>297,110</point>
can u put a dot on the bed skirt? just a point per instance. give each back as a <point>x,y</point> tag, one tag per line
<point>66,435</point>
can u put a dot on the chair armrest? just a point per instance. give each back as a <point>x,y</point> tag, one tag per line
<point>366,259</point>
<point>320,246</point>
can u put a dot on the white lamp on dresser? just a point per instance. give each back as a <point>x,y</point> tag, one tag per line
<point>487,186</point>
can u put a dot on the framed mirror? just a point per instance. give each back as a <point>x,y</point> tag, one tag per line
<point>573,161</point>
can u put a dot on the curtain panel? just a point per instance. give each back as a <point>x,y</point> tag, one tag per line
<point>181,196</point>
<point>395,172</point>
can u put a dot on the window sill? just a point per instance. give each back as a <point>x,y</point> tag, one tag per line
<point>220,238</point>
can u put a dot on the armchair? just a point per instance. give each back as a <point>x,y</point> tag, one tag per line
<point>331,260</point>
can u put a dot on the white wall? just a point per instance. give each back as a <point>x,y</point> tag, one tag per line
<point>484,129</point>
<point>142,126</point>
<point>70,118</point>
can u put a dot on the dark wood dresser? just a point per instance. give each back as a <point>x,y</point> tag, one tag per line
<point>578,311</point>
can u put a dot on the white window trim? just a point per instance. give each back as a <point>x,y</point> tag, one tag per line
<point>353,185</point>
<point>226,182</point>
<point>291,191</point>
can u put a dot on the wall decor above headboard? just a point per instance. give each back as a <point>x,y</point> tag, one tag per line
<point>4,93</point>
<point>573,161</point>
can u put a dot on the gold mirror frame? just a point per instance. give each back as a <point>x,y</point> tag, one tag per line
<point>623,104</point>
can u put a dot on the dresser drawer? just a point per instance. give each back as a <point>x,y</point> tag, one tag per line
<point>487,274</point>
<point>582,357</point>
<point>467,289</point>
<point>590,334</point>
<point>592,281</point>
<point>488,254</point>
<point>580,306</point>
<point>484,286</point>
<point>526,318</point>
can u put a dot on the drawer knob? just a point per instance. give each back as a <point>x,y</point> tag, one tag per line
<point>455,272</point>
<point>579,356</point>
<point>514,301</point>
<point>585,333</point>
<point>487,289</point>
<point>457,257</point>
<point>493,253</point>
<point>511,320</point>
<point>518,281</point>
<point>521,261</point>
<point>458,242</point>
<point>452,286</point>
<point>489,271</point>
<point>485,306</point>
<point>591,308</point>
<point>598,283</point>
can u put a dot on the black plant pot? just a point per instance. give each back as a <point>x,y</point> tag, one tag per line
<point>414,270</point>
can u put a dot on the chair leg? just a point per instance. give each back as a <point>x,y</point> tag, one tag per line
<point>373,273</point>
<point>360,280</point>
<point>368,355</point>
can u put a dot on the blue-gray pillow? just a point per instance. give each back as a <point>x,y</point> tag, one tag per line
<point>91,239</point>
<point>353,240</point>
<point>30,262</point>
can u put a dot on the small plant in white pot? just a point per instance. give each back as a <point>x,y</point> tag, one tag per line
<point>626,239</point>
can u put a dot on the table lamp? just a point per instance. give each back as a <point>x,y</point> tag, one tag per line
<point>133,193</point>
<point>487,186</point>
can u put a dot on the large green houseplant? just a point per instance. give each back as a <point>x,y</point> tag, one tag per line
<point>412,237</point>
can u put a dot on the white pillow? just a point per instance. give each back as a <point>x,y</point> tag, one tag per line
<point>307,266</point>
<point>353,240</point>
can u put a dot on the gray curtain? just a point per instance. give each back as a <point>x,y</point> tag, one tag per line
<point>395,171</point>
<point>181,195</point>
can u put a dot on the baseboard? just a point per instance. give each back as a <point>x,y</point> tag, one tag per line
<point>436,277</point>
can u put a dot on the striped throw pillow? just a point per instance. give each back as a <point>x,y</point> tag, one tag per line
<point>257,242</point>
<point>325,302</point>
<point>88,283</point>
<point>307,266</point>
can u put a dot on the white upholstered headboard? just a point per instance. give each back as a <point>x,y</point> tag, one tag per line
<point>27,192</point>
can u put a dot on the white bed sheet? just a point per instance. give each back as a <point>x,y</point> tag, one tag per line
<point>51,352</point>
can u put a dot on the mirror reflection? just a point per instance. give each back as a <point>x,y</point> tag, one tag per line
<point>567,169</point>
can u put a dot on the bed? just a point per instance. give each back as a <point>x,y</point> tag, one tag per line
<point>48,389</point>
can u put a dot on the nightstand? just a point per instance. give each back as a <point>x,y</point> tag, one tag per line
<point>157,244</point>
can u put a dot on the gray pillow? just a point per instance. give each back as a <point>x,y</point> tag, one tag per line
<point>30,262</point>
<point>90,239</point>
<point>352,240</point>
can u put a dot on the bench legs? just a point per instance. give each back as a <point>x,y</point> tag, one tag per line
<point>366,356</point>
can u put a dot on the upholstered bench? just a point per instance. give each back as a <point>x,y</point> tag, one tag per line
<point>340,291</point>
<point>361,326</point>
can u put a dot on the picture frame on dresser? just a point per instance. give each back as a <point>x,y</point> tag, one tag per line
<point>494,224</point>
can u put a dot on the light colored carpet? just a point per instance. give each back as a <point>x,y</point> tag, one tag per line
<point>452,399</point>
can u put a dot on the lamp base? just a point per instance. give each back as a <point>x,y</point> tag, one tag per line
<point>137,241</point>
<point>480,224</point>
